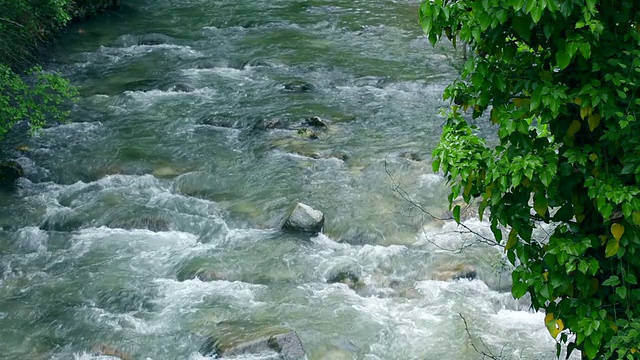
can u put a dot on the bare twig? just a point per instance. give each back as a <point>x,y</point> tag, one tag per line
<point>11,22</point>
<point>397,188</point>
<point>487,355</point>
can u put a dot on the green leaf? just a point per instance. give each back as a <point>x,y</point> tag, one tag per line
<point>621,291</point>
<point>545,177</point>
<point>590,349</point>
<point>436,165</point>
<point>631,279</point>
<point>519,289</point>
<point>585,50</point>
<point>497,233</point>
<point>540,204</point>
<point>565,213</point>
<point>512,240</point>
<point>613,245</point>
<point>522,27</point>
<point>563,59</point>
<point>611,281</point>
<point>481,208</point>
<point>456,213</point>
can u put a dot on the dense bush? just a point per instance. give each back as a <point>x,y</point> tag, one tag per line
<point>560,79</point>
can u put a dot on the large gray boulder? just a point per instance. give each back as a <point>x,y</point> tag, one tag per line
<point>305,218</point>
<point>10,171</point>
<point>285,343</point>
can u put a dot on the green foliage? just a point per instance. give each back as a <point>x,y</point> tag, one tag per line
<point>560,80</point>
<point>34,101</point>
<point>24,26</point>
<point>27,24</point>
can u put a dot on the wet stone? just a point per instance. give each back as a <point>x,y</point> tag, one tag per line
<point>305,219</point>
<point>285,343</point>
<point>10,171</point>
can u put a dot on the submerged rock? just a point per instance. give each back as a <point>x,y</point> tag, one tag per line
<point>315,121</point>
<point>284,342</point>
<point>181,87</point>
<point>154,39</point>
<point>297,86</point>
<point>348,278</point>
<point>308,133</point>
<point>220,120</point>
<point>455,271</point>
<point>165,172</point>
<point>204,268</point>
<point>153,224</point>
<point>304,218</point>
<point>269,124</point>
<point>110,350</point>
<point>10,171</point>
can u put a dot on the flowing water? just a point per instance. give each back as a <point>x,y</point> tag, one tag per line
<point>184,154</point>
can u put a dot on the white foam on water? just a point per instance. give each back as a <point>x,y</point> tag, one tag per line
<point>179,297</point>
<point>225,72</point>
<point>149,97</point>
<point>144,49</point>
<point>124,322</point>
<point>140,239</point>
<point>90,356</point>
<point>257,356</point>
<point>244,236</point>
<point>31,239</point>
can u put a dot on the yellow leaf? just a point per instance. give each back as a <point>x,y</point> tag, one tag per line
<point>617,230</point>
<point>594,121</point>
<point>593,157</point>
<point>634,350</point>
<point>577,101</point>
<point>636,217</point>
<point>513,239</point>
<point>573,128</point>
<point>545,275</point>
<point>585,111</point>
<point>555,326</point>
<point>603,239</point>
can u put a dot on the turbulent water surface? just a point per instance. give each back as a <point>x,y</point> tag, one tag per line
<point>189,144</point>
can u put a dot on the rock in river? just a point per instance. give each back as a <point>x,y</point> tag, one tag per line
<point>10,171</point>
<point>304,218</point>
<point>281,341</point>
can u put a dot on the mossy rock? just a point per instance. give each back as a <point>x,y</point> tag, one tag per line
<point>347,277</point>
<point>308,133</point>
<point>279,340</point>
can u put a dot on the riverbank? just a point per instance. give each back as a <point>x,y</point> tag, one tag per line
<point>27,30</point>
<point>28,27</point>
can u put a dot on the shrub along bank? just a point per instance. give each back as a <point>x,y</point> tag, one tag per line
<point>26,26</point>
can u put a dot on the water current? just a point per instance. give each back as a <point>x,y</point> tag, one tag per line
<point>189,144</point>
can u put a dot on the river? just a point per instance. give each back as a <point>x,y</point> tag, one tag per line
<point>187,147</point>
